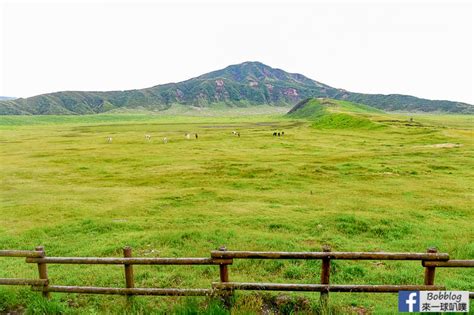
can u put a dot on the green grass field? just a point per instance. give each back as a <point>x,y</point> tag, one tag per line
<point>399,186</point>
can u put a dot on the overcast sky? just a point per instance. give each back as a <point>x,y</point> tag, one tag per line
<point>422,48</point>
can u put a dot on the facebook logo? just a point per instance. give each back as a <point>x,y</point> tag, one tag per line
<point>409,301</point>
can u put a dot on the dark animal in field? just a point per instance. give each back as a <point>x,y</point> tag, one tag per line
<point>196,135</point>
<point>282,133</point>
<point>238,134</point>
<point>278,134</point>
<point>274,134</point>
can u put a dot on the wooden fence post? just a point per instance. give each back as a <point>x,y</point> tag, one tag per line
<point>325,272</point>
<point>224,277</point>
<point>129,280</point>
<point>430,271</point>
<point>43,272</point>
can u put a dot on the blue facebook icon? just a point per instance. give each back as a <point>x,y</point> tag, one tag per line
<point>409,301</point>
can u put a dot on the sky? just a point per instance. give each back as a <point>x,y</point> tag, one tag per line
<point>421,48</point>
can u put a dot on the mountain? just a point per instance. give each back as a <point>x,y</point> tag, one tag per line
<point>241,85</point>
<point>6,98</point>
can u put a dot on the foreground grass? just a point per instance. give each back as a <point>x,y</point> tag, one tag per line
<point>394,188</point>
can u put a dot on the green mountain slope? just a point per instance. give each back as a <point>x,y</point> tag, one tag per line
<point>328,113</point>
<point>241,85</point>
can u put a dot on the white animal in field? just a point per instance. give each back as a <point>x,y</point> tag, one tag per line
<point>234,133</point>
<point>188,136</point>
<point>109,139</point>
<point>165,140</point>
<point>148,137</point>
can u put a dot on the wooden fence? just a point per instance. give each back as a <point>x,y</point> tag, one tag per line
<point>223,258</point>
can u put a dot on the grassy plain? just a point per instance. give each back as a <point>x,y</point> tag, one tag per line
<point>400,187</point>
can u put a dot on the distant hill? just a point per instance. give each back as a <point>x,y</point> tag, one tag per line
<point>329,113</point>
<point>241,85</point>
<point>6,98</point>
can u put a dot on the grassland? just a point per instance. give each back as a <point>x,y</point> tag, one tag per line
<point>397,187</point>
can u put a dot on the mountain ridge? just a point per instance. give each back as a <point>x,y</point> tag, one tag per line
<point>328,113</point>
<point>250,83</point>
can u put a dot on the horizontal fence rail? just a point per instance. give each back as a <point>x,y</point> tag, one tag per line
<point>430,261</point>
<point>129,261</point>
<point>19,281</point>
<point>449,263</point>
<point>21,253</point>
<point>322,287</point>
<point>126,291</point>
<point>330,255</point>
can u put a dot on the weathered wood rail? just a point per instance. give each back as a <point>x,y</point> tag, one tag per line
<point>223,258</point>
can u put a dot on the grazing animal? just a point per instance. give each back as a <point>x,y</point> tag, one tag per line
<point>238,134</point>
<point>148,137</point>
<point>274,134</point>
<point>234,133</point>
<point>282,133</point>
<point>196,135</point>
<point>165,140</point>
<point>278,134</point>
<point>109,139</point>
